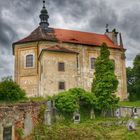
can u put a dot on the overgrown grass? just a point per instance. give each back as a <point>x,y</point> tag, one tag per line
<point>97,129</point>
<point>25,100</point>
<point>128,103</point>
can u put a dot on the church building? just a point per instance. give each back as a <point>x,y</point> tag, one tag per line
<point>52,60</point>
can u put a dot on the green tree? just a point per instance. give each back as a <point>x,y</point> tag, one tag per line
<point>10,91</point>
<point>105,82</point>
<point>131,83</point>
<point>136,69</point>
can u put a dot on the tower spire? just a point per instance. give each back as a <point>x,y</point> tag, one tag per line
<point>44,17</point>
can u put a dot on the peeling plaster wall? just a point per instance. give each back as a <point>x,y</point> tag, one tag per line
<point>35,82</point>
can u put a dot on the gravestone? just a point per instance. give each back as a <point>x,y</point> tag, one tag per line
<point>117,113</point>
<point>131,125</point>
<point>48,114</point>
<point>28,124</point>
<point>49,105</point>
<point>7,133</point>
<point>76,117</point>
<point>135,113</point>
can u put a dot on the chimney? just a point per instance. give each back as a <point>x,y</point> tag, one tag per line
<point>113,35</point>
<point>121,41</point>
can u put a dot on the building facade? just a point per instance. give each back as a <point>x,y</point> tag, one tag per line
<point>51,60</point>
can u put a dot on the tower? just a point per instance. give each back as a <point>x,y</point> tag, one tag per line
<point>44,17</point>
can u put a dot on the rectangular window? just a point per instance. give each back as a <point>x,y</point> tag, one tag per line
<point>7,133</point>
<point>29,61</point>
<point>92,62</point>
<point>61,86</point>
<point>61,66</point>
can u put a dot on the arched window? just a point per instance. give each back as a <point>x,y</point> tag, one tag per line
<point>29,60</point>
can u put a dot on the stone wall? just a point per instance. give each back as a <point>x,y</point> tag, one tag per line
<point>18,117</point>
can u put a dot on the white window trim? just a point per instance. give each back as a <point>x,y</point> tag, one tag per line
<point>33,61</point>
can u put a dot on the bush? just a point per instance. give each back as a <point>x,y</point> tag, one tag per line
<point>74,99</point>
<point>10,91</point>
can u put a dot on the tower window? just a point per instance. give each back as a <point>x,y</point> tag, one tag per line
<point>61,66</point>
<point>61,86</point>
<point>92,62</point>
<point>29,60</point>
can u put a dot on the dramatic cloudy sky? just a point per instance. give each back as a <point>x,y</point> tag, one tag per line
<point>19,17</point>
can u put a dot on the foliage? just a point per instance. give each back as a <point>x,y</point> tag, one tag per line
<point>69,101</point>
<point>105,82</point>
<point>128,103</point>
<point>133,80</point>
<point>98,129</point>
<point>38,99</point>
<point>136,69</point>
<point>10,91</point>
<point>130,83</point>
<point>41,113</point>
<point>20,132</point>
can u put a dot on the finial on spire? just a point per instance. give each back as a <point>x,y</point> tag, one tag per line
<point>44,17</point>
<point>44,3</point>
<point>107,29</point>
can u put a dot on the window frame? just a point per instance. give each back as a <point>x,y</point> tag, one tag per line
<point>33,61</point>
<point>92,68</point>
<point>5,129</point>
<point>64,85</point>
<point>61,69</point>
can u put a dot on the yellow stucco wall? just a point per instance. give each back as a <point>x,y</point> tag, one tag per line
<point>45,82</point>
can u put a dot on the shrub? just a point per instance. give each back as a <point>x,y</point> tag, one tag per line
<point>10,91</point>
<point>69,101</point>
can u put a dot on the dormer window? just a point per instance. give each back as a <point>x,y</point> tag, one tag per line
<point>29,61</point>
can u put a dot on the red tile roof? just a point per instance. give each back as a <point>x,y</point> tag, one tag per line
<point>70,36</point>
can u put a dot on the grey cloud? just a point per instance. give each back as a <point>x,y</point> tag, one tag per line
<point>7,34</point>
<point>86,15</point>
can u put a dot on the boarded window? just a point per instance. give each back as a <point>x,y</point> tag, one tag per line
<point>7,133</point>
<point>61,86</point>
<point>29,60</point>
<point>92,62</point>
<point>61,66</point>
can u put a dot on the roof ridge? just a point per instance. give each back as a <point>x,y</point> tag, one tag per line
<point>68,36</point>
<point>79,31</point>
